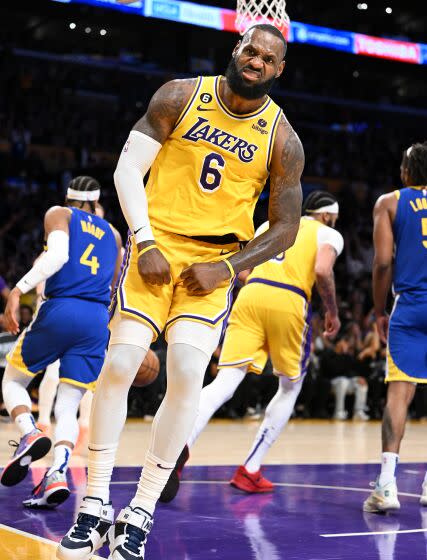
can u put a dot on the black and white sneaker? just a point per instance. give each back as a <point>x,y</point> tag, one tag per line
<point>89,532</point>
<point>129,534</point>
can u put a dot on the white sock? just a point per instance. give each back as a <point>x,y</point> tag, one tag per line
<point>425,479</point>
<point>108,413</point>
<point>25,423</point>
<point>388,467</point>
<point>61,457</point>
<point>173,422</point>
<point>47,392</point>
<point>153,480</point>
<point>215,395</point>
<point>276,417</point>
<point>100,467</point>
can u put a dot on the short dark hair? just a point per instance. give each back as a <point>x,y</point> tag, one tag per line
<point>272,30</point>
<point>316,200</point>
<point>415,162</point>
<point>84,183</point>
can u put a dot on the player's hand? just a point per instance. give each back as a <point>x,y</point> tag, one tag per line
<point>382,326</point>
<point>202,278</point>
<point>152,266</point>
<point>12,311</point>
<point>332,325</point>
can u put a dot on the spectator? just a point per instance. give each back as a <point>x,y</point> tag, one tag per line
<point>341,366</point>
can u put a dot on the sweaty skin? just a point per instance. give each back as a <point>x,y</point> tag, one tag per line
<point>259,57</point>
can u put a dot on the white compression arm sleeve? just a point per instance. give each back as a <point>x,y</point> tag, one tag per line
<point>136,158</point>
<point>50,262</point>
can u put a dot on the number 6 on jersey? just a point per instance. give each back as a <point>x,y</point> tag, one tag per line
<point>210,178</point>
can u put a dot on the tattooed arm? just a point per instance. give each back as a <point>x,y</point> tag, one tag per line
<point>284,215</point>
<point>140,151</point>
<point>325,283</point>
<point>164,109</point>
<point>284,210</point>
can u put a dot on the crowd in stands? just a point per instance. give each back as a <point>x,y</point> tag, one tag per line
<point>56,122</point>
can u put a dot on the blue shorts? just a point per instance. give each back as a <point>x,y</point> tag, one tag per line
<point>75,331</point>
<point>407,339</point>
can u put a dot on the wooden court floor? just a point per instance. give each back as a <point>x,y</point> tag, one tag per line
<point>227,442</point>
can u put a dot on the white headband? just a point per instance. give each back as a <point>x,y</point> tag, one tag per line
<point>84,196</point>
<point>408,151</point>
<point>331,209</point>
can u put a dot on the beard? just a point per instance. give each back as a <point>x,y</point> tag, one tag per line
<point>241,88</point>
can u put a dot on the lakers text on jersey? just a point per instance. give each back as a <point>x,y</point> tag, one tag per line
<point>204,183</point>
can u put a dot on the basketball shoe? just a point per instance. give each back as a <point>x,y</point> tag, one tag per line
<point>172,486</point>
<point>252,483</point>
<point>383,498</point>
<point>50,492</point>
<point>31,447</point>
<point>423,499</point>
<point>89,532</point>
<point>128,535</point>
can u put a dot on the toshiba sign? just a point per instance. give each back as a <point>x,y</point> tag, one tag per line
<point>387,48</point>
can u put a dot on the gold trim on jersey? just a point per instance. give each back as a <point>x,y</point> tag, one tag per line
<point>273,137</point>
<point>236,116</point>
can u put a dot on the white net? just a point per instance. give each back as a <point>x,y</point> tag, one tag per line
<point>252,12</point>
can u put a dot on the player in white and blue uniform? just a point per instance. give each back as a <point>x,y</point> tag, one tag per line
<point>71,325</point>
<point>400,228</point>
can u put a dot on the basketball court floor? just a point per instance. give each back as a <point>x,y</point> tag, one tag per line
<point>322,472</point>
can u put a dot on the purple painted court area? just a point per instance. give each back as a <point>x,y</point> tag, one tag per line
<point>209,520</point>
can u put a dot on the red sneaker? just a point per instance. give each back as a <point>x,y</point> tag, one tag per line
<point>252,483</point>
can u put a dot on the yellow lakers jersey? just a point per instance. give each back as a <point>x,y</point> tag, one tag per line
<point>211,170</point>
<point>297,266</point>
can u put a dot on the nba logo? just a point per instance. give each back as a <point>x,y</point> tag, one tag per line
<point>126,147</point>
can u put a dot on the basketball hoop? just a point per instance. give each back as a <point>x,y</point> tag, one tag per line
<point>252,12</point>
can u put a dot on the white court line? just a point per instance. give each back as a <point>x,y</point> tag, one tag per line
<point>35,537</point>
<point>284,484</point>
<point>333,535</point>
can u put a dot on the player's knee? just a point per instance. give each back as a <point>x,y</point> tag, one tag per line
<point>122,363</point>
<point>12,375</point>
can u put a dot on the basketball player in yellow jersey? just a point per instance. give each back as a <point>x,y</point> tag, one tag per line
<point>211,144</point>
<point>272,313</point>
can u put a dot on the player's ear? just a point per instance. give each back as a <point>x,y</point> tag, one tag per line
<point>280,69</point>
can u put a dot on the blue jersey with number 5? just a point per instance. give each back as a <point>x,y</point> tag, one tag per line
<point>410,236</point>
<point>89,271</point>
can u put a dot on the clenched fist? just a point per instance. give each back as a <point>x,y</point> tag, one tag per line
<point>152,266</point>
<point>202,278</point>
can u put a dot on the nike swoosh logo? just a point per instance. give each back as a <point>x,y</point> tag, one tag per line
<point>165,468</point>
<point>224,252</point>
<point>200,108</point>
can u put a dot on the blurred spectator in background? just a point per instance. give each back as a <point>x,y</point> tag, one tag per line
<point>342,367</point>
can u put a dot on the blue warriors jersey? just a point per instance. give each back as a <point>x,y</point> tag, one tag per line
<point>410,236</point>
<point>89,271</point>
